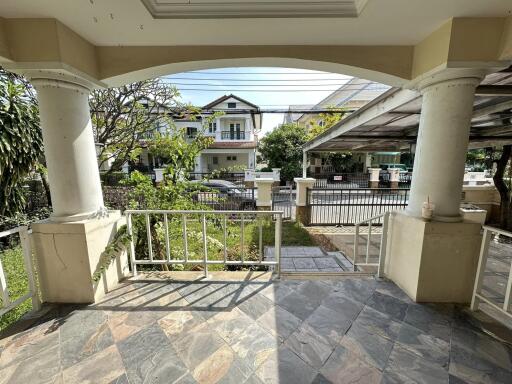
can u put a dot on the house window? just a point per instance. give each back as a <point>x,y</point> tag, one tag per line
<point>212,127</point>
<point>231,158</point>
<point>231,105</point>
<point>215,160</point>
<point>191,132</point>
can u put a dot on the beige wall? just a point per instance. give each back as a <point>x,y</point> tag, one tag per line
<point>48,44</point>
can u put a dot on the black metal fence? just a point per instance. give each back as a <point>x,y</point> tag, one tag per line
<point>335,206</point>
<point>234,177</point>
<point>283,199</point>
<point>227,199</point>
<point>358,180</point>
<point>341,180</point>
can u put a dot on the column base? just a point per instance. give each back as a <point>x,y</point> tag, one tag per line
<point>373,184</point>
<point>302,214</point>
<point>264,208</point>
<point>68,254</point>
<point>393,184</point>
<point>432,261</point>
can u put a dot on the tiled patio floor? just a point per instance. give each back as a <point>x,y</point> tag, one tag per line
<point>255,331</point>
<point>309,259</point>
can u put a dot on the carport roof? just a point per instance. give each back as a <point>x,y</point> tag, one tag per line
<point>390,122</point>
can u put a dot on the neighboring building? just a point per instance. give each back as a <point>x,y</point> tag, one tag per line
<point>235,134</point>
<point>351,96</point>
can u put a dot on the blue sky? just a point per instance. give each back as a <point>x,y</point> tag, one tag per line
<point>267,87</point>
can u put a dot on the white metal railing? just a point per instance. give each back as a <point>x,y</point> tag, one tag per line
<point>478,294</point>
<point>7,303</point>
<point>383,242</point>
<point>241,217</point>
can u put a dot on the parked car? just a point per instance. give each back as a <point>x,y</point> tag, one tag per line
<point>225,195</point>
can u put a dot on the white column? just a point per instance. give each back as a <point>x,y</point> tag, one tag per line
<point>374,174</point>
<point>442,146</point>
<point>69,148</point>
<point>304,164</point>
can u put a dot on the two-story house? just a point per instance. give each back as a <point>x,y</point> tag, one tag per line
<point>235,131</point>
<point>234,128</point>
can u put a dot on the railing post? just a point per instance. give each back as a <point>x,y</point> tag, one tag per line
<point>132,246</point>
<point>205,247</point>
<point>383,245</point>
<point>356,246</point>
<point>277,245</point>
<point>29,266</point>
<point>482,261</point>
<point>6,300</point>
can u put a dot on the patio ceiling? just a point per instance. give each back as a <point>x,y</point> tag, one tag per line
<point>390,122</point>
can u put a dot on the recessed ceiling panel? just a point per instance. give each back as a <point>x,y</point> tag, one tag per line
<point>201,9</point>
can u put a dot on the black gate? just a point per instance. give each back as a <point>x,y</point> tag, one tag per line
<point>348,206</point>
<point>283,199</point>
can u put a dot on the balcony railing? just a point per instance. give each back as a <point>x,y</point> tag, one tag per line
<point>189,242</point>
<point>228,135</point>
<point>8,303</point>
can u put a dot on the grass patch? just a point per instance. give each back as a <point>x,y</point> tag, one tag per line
<point>17,282</point>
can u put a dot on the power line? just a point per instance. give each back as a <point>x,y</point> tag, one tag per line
<point>224,79</point>
<point>279,85</point>
<point>265,73</point>
<point>264,90</point>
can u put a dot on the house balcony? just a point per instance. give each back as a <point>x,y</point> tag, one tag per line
<point>229,135</point>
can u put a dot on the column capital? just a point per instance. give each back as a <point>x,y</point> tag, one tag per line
<point>449,76</point>
<point>59,79</point>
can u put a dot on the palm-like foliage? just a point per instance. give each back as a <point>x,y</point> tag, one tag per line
<point>20,139</point>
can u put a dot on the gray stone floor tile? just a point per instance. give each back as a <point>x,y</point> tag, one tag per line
<point>391,289</point>
<point>416,368</point>
<point>348,308</point>
<point>197,345</point>
<point>102,368</point>
<point>377,323</point>
<point>299,305</point>
<point>285,367</point>
<point>427,346</point>
<point>279,322</point>
<point>430,319</point>
<point>149,357</point>
<point>123,379</point>
<point>344,367</point>
<point>388,305</point>
<point>326,262</point>
<point>310,346</point>
<point>256,306</point>
<point>328,324</point>
<point>478,347</point>
<point>304,263</point>
<point>355,289</point>
<point>230,324</point>
<point>42,367</point>
<point>84,333</point>
<point>254,346</point>
<point>314,290</point>
<point>221,367</point>
<point>371,348</point>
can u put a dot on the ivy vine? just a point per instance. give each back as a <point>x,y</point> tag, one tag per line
<point>118,244</point>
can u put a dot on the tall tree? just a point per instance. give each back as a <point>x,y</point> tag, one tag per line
<point>21,143</point>
<point>123,116</point>
<point>282,148</point>
<point>504,187</point>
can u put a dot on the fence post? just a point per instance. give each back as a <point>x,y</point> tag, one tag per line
<point>277,245</point>
<point>29,266</point>
<point>302,198</point>
<point>356,247</point>
<point>205,246</point>
<point>383,245</point>
<point>132,246</point>
<point>482,261</point>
